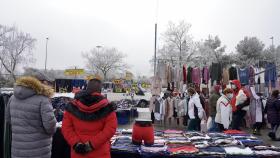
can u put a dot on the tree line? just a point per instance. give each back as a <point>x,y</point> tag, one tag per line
<point>177,46</point>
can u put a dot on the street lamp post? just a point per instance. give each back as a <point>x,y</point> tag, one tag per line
<point>46,58</point>
<point>272,45</point>
<point>98,47</point>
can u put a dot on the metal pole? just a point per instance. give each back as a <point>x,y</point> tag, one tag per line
<point>46,58</point>
<point>155,60</point>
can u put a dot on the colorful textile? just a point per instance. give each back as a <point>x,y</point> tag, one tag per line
<point>183,150</point>
<point>196,75</point>
<point>244,76</point>
<point>205,75</point>
<point>270,75</point>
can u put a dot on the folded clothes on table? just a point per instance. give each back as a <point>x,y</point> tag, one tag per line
<point>200,144</point>
<point>192,134</point>
<point>173,135</point>
<point>124,143</point>
<point>194,138</point>
<point>251,143</point>
<point>153,149</point>
<point>225,142</point>
<point>267,152</point>
<point>238,151</point>
<point>169,131</point>
<point>186,149</point>
<point>262,147</point>
<point>234,132</point>
<point>212,151</point>
<point>218,135</point>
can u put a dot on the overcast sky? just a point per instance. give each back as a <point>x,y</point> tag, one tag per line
<point>75,26</point>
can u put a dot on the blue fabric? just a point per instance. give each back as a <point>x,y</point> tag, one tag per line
<point>270,75</point>
<point>244,76</point>
<point>123,117</point>
<point>214,126</point>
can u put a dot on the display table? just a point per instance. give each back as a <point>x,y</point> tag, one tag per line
<point>127,150</point>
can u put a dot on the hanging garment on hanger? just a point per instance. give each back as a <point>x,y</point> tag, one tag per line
<point>233,73</point>
<point>161,70</point>
<point>225,76</point>
<point>205,75</point>
<point>244,76</point>
<point>216,72</point>
<point>156,86</point>
<point>185,74</point>
<point>256,107</point>
<point>196,75</point>
<point>251,75</point>
<point>270,75</point>
<point>189,75</point>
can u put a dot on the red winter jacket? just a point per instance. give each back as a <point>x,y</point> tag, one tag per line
<point>239,87</point>
<point>90,118</point>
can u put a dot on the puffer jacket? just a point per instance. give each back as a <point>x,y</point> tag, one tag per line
<point>273,110</point>
<point>32,120</point>
<point>90,118</point>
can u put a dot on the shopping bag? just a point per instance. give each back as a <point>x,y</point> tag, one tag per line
<point>203,126</point>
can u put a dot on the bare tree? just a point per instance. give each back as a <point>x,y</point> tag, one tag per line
<point>178,40</point>
<point>105,60</point>
<point>211,50</point>
<point>15,49</point>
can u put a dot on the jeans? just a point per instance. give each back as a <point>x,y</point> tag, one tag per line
<point>194,125</point>
<point>214,125</point>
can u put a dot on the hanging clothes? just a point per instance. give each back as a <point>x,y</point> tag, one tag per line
<point>185,74</point>
<point>270,75</point>
<point>244,76</point>
<point>189,75</point>
<point>233,73</point>
<point>225,76</point>
<point>156,86</point>
<point>251,75</point>
<point>256,107</point>
<point>161,70</point>
<point>196,76</point>
<point>205,75</point>
<point>216,73</point>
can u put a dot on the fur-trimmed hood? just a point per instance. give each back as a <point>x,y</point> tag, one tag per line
<point>90,107</point>
<point>26,87</point>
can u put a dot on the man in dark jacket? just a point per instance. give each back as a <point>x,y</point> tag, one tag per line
<point>215,95</point>
<point>32,120</point>
<point>89,123</point>
<point>272,109</point>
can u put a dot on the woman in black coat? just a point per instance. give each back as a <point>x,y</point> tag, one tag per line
<point>273,116</point>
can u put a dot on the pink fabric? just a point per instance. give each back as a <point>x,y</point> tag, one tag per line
<point>206,75</point>
<point>196,75</point>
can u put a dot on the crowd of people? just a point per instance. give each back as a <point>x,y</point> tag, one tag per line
<point>228,107</point>
<point>90,121</point>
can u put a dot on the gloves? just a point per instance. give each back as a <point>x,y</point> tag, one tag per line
<point>81,148</point>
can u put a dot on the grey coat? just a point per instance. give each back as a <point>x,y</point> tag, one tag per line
<point>32,120</point>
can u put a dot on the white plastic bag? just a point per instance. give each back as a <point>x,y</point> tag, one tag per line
<point>203,126</point>
<point>209,123</point>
